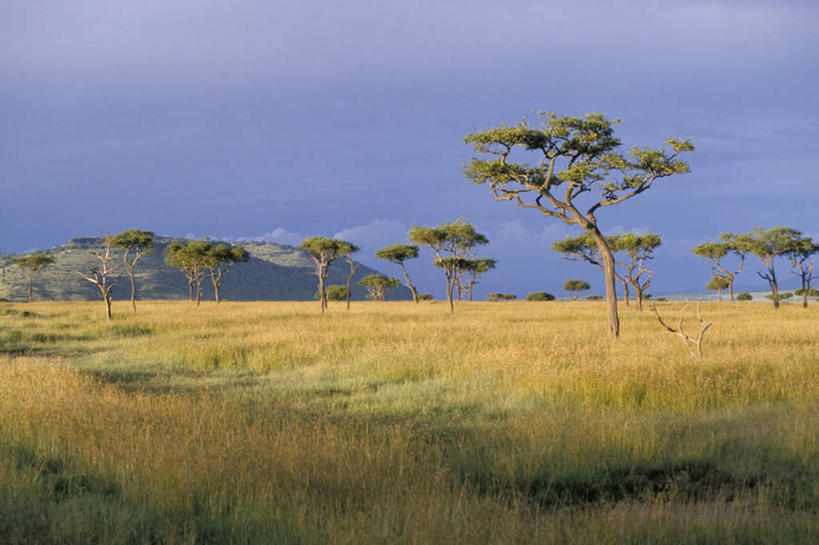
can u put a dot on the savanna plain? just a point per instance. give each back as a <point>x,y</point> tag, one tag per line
<point>400,423</point>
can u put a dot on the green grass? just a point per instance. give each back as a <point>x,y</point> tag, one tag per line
<point>398,423</point>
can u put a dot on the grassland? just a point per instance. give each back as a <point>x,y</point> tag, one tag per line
<point>398,423</point>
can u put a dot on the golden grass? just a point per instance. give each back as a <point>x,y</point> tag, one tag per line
<point>397,423</point>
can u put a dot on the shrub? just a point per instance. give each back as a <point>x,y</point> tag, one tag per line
<point>502,296</point>
<point>744,296</point>
<point>425,297</point>
<point>594,298</point>
<point>540,296</point>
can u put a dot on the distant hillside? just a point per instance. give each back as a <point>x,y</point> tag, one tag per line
<point>275,272</point>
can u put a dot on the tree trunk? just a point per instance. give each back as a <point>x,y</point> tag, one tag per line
<point>133,289</point>
<point>804,298</point>
<point>450,286</point>
<point>31,287</point>
<point>409,284</point>
<point>611,291</point>
<point>190,288</point>
<point>322,294</point>
<point>198,290</point>
<point>731,288</point>
<point>216,280</point>
<point>625,287</point>
<point>638,296</point>
<point>349,282</point>
<point>107,298</point>
<point>719,295</point>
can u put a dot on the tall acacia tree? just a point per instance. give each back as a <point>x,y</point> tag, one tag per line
<point>577,160</point>
<point>136,243</point>
<point>803,264</point>
<point>450,243</point>
<point>398,254</point>
<point>192,258</point>
<point>324,251</point>
<point>637,249</point>
<point>34,263</point>
<point>584,248</point>
<point>218,260</point>
<point>768,245</point>
<point>100,275</point>
<point>716,252</point>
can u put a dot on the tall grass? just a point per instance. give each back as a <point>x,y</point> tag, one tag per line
<point>397,423</point>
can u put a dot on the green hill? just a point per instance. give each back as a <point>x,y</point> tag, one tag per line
<point>275,272</point>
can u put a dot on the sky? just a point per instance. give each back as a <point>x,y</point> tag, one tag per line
<point>271,120</point>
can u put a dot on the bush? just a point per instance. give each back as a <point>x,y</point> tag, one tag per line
<point>812,292</point>
<point>594,298</point>
<point>744,296</point>
<point>334,293</point>
<point>540,296</point>
<point>425,297</point>
<point>783,295</point>
<point>502,296</point>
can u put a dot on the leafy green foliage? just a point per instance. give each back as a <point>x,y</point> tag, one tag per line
<point>540,296</point>
<point>595,298</point>
<point>576,286</point>
<point>744,296</point>
<point>501,297</point>
<point>717,283</point>
<point>378,285</point>
<point>335,293</point>
<point>397,253</point>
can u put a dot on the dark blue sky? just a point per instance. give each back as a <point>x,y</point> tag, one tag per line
<point>276,120</point>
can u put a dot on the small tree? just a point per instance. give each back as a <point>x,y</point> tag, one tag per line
<point>34,263</point>
<point>378,285</point>
<point>323,252</point>
<point>497,297</point>
<point>637,249</point>
<point>398,254</point>
<point>576,286</point>
<point>744,296</point>
<point>475,268</point>
<point>335,293</point>
<point>451,243</point>
<point>575,158</point>
<point>136,243</point>
<point>718,283</point>
<point>191,257</point>
<point>716,252</point>
<point>347,252</point>
<point>218,260</point>
<point>600,298</point>
<point>100,276</point>
<point>803,264</point>
<point>540,296</point>
<point>768,245</point>
<point>584,248</point>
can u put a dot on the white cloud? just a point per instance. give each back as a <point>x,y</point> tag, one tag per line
<point>279,236</point>
<point>375,235</point>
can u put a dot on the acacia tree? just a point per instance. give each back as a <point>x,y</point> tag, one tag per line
<point>717,284</point>
<point>324,251</point>
<point>100,275</point>
<point>802,265</point>
<point>348,252</point>
<point>475,268</point>
<point>637,248</point>
<point>137,243</point>
<point>715,252</point>
<point>378,285</point>
<point>191,257</point>
<point>34,263</point>
<point>577,157</point>
<point>584,248</point>
<point>450,243</point>
<point>218,260</point>
<point>768,245</point>
<point>398,254</point>
<point>576,286</point>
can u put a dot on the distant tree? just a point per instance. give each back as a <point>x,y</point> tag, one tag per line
<point>137,243</point>
<point>584,248</point>
<point>595,298</point>
<point>575,157</point>
<point>576,286</point>
<point>347,252</point>
<point>335,293</point>
<point>768,245</point>
<point>782,295</point>
<point>100,276</point>
<point>540,296</point>
<point>812,292</point>
<point>475,268</point>
<point>378,285</point>
<point>425,297</point>
<point>718,283</point>
<point>324,251</point>
<point>636,249</point>
<point>744,296</point>
<point>191,257</point>
<point>218,260</point>
<point>803,264</point>
<point>450,243</point>
<point>501,297</point>
<point>34,263</point>
<point>716,252</point>
<point>398,254</point>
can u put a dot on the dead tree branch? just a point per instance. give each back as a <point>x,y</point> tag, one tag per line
<point>690,342</point>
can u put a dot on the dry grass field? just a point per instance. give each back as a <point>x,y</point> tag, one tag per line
<point>400,423</point>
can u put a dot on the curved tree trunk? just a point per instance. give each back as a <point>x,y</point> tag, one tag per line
<point>409,283</point>
<point>625,288</point>
<point>31,287</point>
<point>731,287</point>
<point>611,291</point>
<point>133,289</point>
